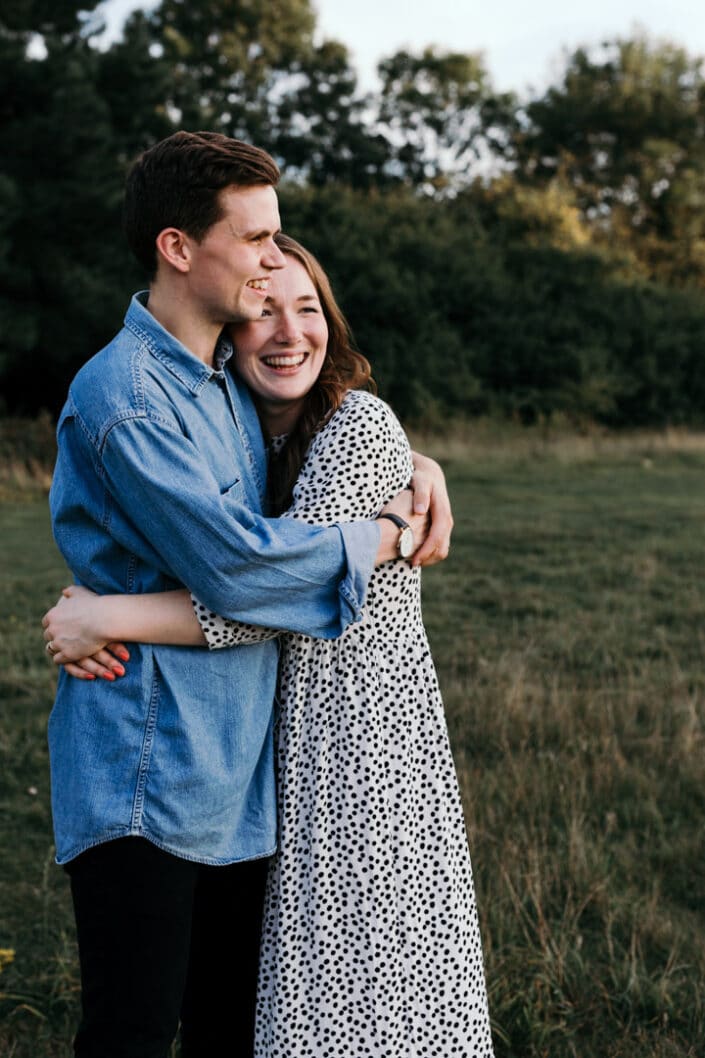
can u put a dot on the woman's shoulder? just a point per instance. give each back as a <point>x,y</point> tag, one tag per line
<point>364,429</point>
<point>365,410</point>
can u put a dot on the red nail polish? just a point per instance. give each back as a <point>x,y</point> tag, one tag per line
<point>123,655</point>
<point>118,670</point>
<point>108,676</point>
<point>88,676</point>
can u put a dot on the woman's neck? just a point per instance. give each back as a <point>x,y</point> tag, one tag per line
<point>278,418</point>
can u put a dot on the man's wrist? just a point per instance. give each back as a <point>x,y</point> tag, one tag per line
<point>405,537</point>
<point>388,536</point>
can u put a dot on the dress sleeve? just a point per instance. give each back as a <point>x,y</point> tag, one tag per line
<point>355,464</point>
<point>222,632</point>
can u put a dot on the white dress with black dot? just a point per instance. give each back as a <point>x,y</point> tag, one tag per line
<point>371,946</point>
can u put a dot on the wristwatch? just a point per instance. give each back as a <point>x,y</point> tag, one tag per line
<point>405,542</point>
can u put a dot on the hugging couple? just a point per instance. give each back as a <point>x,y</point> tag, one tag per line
<point>237,498</point>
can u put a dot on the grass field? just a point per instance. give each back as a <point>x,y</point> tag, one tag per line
<point>568,629</point>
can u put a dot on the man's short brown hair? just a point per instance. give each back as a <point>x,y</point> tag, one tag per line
<point>177,183</point>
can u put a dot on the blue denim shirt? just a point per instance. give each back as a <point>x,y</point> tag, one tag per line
<point>159,483</point>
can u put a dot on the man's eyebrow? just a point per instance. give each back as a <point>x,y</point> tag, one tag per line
<point>264,233</point>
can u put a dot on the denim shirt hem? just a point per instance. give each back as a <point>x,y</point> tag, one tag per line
<point>126,832</point>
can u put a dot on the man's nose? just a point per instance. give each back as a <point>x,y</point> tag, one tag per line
<point>273,257</point>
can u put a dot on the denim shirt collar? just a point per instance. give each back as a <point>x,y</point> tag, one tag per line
<point>175,357</point>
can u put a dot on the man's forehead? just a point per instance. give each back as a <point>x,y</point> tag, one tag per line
<point>247,204</point>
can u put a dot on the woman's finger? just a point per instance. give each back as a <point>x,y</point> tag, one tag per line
<point>75,670</point>
<point>119,650</point>
<point>100,665</point>
<point>108,660</point>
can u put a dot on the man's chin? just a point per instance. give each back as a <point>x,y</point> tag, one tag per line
<point>247,313</point>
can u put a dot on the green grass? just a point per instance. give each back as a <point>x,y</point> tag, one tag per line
<point>568,631</point>
<point>39,989</point>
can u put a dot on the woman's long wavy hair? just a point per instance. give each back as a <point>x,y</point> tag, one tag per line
<point>344,368</point>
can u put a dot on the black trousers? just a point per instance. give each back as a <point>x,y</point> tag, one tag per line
<point>162,940</point>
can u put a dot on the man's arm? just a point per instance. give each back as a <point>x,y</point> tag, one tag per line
<point>431,495</point>
<point>273,572</point>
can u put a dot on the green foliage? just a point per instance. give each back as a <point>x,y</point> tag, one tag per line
<point>565,284</point>
<point>431,107</point>
<point>63,266</point>
<point>225,58</point>
<point>624,129</point>
<point>49,18</point>
<point>320,129</point>
<point>476,304</point>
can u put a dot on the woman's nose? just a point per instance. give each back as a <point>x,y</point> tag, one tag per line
<point>288,329</point>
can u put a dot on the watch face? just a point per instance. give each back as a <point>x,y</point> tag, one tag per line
<point>406,542</point>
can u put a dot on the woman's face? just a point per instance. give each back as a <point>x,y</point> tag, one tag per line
<point>280,355</point>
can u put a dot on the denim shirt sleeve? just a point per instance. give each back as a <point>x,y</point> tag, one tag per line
<point>272,572</point>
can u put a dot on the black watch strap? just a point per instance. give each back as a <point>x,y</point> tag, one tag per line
<point>397,519</point>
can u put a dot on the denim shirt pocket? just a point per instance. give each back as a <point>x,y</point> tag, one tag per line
<point>236,490</point>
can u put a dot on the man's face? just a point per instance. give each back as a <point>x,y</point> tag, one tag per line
<point>230,268</point>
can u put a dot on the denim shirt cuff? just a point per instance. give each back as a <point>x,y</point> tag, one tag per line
<point>360,543</point>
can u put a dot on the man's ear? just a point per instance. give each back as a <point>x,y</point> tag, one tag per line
<point>174,249</point>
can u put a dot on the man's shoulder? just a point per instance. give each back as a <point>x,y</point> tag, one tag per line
<point>109,384</point>
<point>123,381</point>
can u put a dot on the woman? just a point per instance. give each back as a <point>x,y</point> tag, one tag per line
<point>370,943</point>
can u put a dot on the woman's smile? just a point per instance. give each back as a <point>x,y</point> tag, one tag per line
<point>284,361</point>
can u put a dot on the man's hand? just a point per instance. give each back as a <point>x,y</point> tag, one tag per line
<point>431,495</point>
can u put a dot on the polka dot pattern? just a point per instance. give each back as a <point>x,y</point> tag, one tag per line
<point>371,946</point>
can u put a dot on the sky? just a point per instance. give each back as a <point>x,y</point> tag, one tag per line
<point>523,40</point>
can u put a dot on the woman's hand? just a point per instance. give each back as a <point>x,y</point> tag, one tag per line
<point>431,494</point>
<point>71,632</point>
<point>103,664</point>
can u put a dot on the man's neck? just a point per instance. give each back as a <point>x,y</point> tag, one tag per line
<point>179,318</point>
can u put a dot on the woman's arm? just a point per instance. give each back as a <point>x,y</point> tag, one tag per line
<point>86,630</point>
<point>83,623</point>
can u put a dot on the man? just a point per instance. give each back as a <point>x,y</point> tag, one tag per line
<point>163,797</point>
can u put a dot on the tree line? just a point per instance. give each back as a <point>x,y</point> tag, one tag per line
<point>495,254</point>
